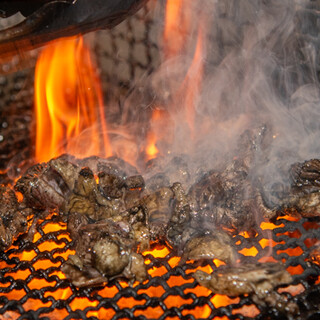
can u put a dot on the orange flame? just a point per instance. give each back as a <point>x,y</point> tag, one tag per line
<point>177,26</point>
<point>193,82</point>
<point>69,102</point>
<point>159,134</point>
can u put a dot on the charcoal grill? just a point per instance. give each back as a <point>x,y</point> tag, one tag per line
<point>31,283</point>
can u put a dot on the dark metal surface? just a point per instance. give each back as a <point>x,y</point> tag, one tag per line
<point>58,18</point>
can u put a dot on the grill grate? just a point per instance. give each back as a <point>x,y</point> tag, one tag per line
<point>33,287</point>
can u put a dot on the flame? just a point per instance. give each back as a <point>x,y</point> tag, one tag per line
<point>160,134</point>
<point>182,109</point>
<point>193,81</point>
<point>178,20</point>
<point>69,103</point>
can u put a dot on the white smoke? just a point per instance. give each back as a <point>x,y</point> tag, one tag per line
<point>260,61</point>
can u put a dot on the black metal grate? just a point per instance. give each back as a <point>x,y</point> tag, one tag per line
<point>33,287</point>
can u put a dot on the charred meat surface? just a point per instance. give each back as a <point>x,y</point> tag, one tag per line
<point>228,199</point>
<point>13,218</point>
<point>41,188</point>
<point>303,195</point>
<point>217,245</point>
<point>228,196</point>
<point>259,280</point>
<point>104,250</point>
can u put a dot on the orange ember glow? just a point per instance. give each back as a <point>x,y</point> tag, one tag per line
<point>69,102</point>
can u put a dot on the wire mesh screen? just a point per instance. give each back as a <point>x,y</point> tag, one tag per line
<point>33,287</point>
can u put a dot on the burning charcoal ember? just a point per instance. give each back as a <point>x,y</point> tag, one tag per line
<point>217,245</point>
<point>259,280</point>
<point>42,188</point>
<point>12,219</point>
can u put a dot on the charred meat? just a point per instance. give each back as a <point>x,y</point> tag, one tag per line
<point>217,245</point>
<point>13,217</point>
<point>303,195</point>
<point>258,280</point>
<point>104,250</point>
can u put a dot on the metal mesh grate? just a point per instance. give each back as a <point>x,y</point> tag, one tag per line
<point>33,287</point>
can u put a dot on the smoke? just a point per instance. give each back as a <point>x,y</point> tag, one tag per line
<point>258,65</point>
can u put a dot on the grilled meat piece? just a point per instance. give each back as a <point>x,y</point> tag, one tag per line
<point>303,196</point>
<point>42,188</point>
<point>228,199</point>
<point>259,280</point>
<point>13,220</point>
<point>180,228</point>
<point>114,260</point>
<point>80,275</point>
<point>228,196</point>
<point>167,172</point>
<point>216,245</point>
<point>87,199</point>
<point>157,207</point>
<point>111,185</point>
<point>110,165</point>
<point>104,250</point>
<point>68,171</point>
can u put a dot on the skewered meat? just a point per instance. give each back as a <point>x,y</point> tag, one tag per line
<point>13,219</point>
<point>259,280</point>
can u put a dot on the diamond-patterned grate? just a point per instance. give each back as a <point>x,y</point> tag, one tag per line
<point>33,287</point>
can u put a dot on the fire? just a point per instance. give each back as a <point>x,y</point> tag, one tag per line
<point>69,104</point>
<point>177,26</point>
<point>160,134</point>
